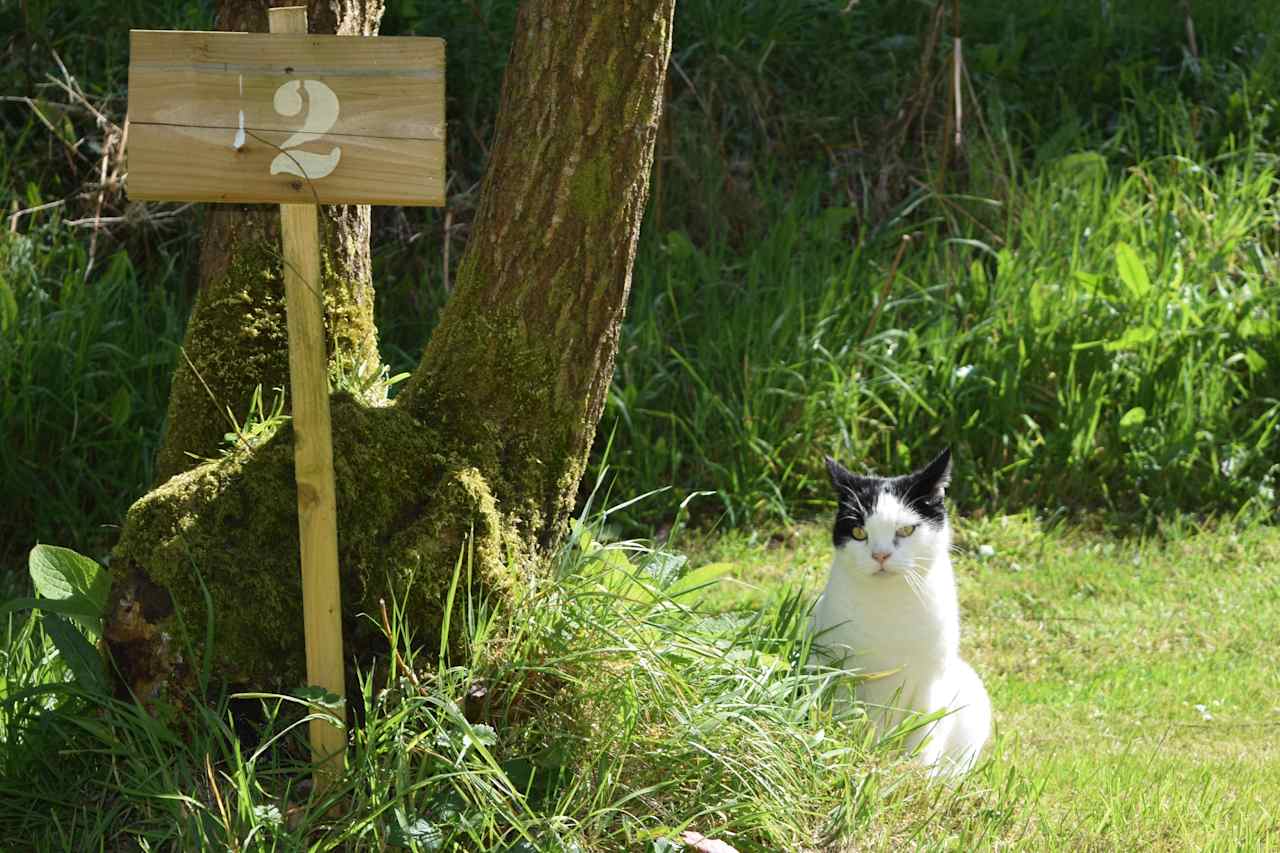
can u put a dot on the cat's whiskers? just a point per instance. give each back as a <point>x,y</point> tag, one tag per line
<point>914,579</point>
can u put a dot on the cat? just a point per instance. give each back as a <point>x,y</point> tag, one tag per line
<point>890,609</point>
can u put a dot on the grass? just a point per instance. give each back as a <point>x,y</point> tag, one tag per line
<point>1138,682</point>
<point>84,373</point>
<point>637,697</point>
<point>1131,677</point>
<point>610,710</point>
<point>1085,308</point>
<point>1095,338</point>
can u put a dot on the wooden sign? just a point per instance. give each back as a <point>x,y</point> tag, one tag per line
<point>300,120</point>
<point>291,118</point>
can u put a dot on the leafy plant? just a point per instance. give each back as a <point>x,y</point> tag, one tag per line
<point>71,599</point>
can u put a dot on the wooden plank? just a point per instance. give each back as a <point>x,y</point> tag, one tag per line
<point>313,458</point>
<point>197,164</point>
<point>420,55</point>
<point>313,470</point>
<point>210,112</point>
<point>390,86</point>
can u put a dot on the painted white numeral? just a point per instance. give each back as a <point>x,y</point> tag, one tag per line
<point>322,114</point>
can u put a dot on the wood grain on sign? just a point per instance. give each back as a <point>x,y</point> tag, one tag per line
<point>209,115</point>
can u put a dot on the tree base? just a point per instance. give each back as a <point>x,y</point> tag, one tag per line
<point>409,509</point>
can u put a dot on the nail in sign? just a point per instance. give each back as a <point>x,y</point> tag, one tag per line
<point>286,118</point>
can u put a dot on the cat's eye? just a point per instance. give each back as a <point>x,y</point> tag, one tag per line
<point>906,530</point>
<point>858,533</point>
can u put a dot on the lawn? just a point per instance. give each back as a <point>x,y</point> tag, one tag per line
<point>1134,679</point>
<point>1137,706</point>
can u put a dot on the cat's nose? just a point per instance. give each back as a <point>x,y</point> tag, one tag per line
<point>880,556</point>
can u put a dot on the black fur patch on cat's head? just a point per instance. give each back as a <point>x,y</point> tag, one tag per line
<point>924,488</point>
<point>856,495</point>
<point>855,498</point>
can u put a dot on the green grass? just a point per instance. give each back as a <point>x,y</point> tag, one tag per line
<point>1086,310</point>
<point>771,320</point>
<point>1133,679</point>
<point>1136,708</point>
<point>1097,338</point>
<point>84,379</point>
<point>609,710</point>
<point>1138,679</point>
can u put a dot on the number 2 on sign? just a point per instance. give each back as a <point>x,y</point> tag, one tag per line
<point>322,114</point>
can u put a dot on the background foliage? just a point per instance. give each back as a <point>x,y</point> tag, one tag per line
<point>1080,297</point>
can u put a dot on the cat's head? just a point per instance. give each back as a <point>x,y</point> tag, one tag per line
<point>887,526</point>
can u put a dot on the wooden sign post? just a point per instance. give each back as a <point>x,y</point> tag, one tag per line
<point>300,120</point>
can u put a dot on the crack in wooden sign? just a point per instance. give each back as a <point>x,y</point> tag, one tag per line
<point>286,118</point>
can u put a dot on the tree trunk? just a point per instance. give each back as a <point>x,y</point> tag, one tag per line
<point>523,357</point>
<point>235,338</point>
<point>484,449</point>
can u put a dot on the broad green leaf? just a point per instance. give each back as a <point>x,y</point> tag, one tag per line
<point>665,568</point>
<point>1091,282</point>
<point>73,609</point>
<point>121,406</point>
<point>1132,338</point>
<point>419,833</point>
<point>700,577</point>
<point>1005,263</point>
<point>1088,162</point>
<point>679,246</point>
<point>268,814</point>
<point>623,584</point>
<point>1135,417</point>
<point>80,656</point>
<point>482,733</point>
<point>1131,269</point>
<point>1256,327</point>
<point>978,272</point>
<point>76,581</point>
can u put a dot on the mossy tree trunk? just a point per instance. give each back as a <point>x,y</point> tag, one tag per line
<point>523,357</point>
<point>235,339</point>
<point>486,445</point>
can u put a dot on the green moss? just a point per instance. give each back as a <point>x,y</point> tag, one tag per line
<point>348,312</point>
<point>516,380</point>
<point>235,340</point>
<point>589,188</point>
<point>237,337</point>
<point>406,509</point>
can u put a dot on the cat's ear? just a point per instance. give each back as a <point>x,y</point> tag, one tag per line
<point>936,476</point>
<point>840,475</point>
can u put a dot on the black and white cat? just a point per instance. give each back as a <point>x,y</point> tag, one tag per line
<point>890,610</point>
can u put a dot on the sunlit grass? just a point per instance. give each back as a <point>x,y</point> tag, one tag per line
<point>1138,680</point>
<point>608,710</point>
<point>1133,679</point>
